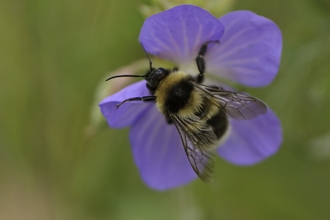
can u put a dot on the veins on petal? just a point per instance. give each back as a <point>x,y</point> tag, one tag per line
<point>211,32</point>
<point>154,128</point>
<point>161,43</point>
<point>232,23</point>
<point>164,150</point>
<point>221,56</point>
<point>237,62</point>
<point>233,38</point>
<point>197,38</point>
<point>174,44</point>
<point>185,38</point>
<point>165,46</point>
<point>251,73</point>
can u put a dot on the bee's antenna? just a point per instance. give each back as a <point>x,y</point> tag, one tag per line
<point>124,76</point>
<point>150,63</point>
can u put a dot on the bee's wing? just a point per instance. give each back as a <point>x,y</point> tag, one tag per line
<point>197,139</point>
<point>237,105</point>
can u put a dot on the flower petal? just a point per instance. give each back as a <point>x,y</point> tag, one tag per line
<point>158,152</point>
<point>251,141</point>
<point>249,51</point>
<point>178,33</point>
<point>127,113</point>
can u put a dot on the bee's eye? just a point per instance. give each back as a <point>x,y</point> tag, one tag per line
<point>160,71</point>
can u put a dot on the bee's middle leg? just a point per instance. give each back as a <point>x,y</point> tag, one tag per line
<point>201,62</point>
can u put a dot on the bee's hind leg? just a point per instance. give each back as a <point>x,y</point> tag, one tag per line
<point>143,99</point>
<point>200,60</point>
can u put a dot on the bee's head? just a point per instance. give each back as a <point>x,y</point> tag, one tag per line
<point>154,76</point>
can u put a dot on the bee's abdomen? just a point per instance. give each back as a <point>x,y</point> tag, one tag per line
<point>219,123</point>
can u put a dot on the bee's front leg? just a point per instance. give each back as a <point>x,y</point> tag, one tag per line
<point>143,99</point>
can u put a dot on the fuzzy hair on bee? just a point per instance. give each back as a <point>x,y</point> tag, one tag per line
<point>199,112</point>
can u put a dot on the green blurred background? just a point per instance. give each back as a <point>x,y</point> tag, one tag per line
<point>53,54</point>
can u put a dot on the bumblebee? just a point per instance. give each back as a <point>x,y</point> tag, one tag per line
<point>199,112</point>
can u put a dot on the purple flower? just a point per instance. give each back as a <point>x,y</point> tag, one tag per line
<point>248,53</point>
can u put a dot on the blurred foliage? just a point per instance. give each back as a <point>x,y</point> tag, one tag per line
<point>53,54</point>
<point>215,7</point>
